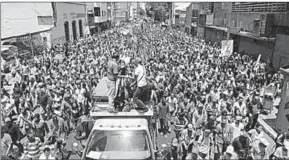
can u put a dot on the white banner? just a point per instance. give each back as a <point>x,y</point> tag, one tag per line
<point>227,47</point>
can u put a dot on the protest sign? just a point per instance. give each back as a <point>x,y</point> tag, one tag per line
<point>227,48</point>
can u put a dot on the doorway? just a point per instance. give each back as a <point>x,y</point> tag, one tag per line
<point>74,30</point>
<point>80,28</point>
<point>66,31</point>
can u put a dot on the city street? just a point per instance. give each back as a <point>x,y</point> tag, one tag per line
<point>218,72</point>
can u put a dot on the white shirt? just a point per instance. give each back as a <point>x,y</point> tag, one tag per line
<point>140,72</point>
<point>43,157</point>
<point>237,130</point>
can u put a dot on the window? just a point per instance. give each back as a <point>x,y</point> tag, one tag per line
<point>97,11</point>
<point>74,30</point>
<point>119,142</point>
<point>80,28</point>
<point>66,31</point>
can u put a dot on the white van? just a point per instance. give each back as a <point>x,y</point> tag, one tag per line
<point>123,135</point>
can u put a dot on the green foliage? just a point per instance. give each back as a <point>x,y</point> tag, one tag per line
<point>141,12</point>
<point>158,10</point>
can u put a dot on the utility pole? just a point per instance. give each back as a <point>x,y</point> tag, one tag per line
<point>228,28</point>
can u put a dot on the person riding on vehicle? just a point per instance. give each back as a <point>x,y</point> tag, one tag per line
<point>112,75</point>
<point>142,90</point>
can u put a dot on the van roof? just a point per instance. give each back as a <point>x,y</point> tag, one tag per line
<point>132,113</point>
<point>6,47</point>
<point>121,123</point>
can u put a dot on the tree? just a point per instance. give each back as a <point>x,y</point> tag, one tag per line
<point>141,11</point>
<point>158,10</point>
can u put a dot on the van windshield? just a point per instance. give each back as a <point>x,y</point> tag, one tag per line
<point>110,144</point>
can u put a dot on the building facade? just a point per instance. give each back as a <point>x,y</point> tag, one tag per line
<point>25,23</point>
<point>102,16</point>
<point>254,27</point>
<point>121,11</point>
<point>69,21</point>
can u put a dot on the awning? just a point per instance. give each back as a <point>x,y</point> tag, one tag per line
<point>19,19</point>
<point>218,28</point>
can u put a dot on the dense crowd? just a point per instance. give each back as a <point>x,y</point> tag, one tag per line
<point>208,101</point>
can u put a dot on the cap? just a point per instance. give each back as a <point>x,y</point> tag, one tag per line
<point>207,131</point>
<point>238,118</point>
<point>138,60</point>
<point>175,142</point>
<point>190,126</point>
<point>224,121</point>
<point>78,82</point>
<point>230,149</point>
<point>41,84</point>
<point>7,119</point>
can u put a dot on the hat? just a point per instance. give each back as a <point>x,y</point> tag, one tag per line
<point>57,99</point>
<point>47,147</point>
<point>238,118</point>
<point>138,60</point>
<point>264,142</point>
<point>78,82</point>
<point>224,121</point>
<point>230,149</point>
<point>175,142</point>
<point>14,147</point>
<point>207,131</point>
<point>7,119</point>
<point>40,84</point>
<point>57,91</point>
<point>190,126</point>
<point>15,117</point>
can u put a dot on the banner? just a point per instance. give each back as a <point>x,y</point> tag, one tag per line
<point>270,89</point>
<point>227,47</point>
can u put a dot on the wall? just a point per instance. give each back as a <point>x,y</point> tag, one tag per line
<point>214,35</point>
<point>188,22</point>
<point>120,11</point>
<point>281,19</point>
<point>68,12</point>
<point>200,32</point>
<point>103,13</point>
<point>221,12</point>
<point>22,18</point>
<point>256,47</point>
<point>281,53</point>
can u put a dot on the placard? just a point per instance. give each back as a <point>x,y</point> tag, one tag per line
<point>227,47</point>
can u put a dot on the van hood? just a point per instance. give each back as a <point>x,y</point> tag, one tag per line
<point>133,155</point>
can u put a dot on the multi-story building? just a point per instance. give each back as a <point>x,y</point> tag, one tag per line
<point>255,28</point>
<point>121,11</point>
<point>180,18</point>
<point>133,10</point>
<point>70,22</point>
<point>102,16</point>
<point>26,21</point>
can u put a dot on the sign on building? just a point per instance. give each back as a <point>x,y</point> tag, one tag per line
<point>227,47</point>
<point>24,47</point>
<point>210,20</point>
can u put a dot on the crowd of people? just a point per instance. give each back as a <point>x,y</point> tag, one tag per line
<point>207,101</point>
